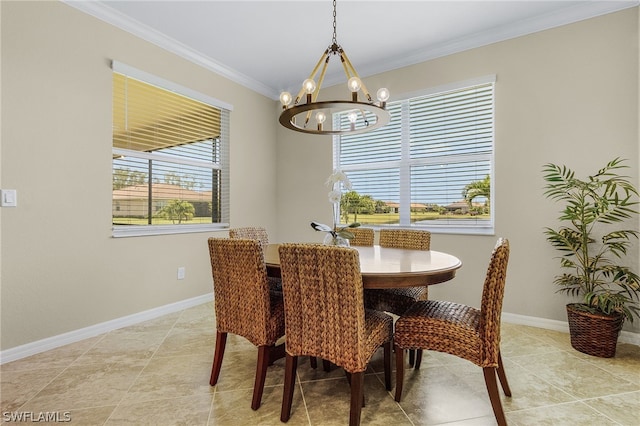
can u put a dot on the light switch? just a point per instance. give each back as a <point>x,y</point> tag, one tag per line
<point>8,198</point>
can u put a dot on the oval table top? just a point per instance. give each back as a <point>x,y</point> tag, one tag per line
<point>383,267</point>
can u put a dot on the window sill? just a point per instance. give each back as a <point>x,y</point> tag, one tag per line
<point>442,229</point>
<point>144,230</point>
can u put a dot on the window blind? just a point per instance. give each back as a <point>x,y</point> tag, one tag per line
<point>420,167</point>
<point>170,160</point>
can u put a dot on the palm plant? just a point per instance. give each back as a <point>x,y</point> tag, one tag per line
<point>478,188</point>
<point>603,199</point>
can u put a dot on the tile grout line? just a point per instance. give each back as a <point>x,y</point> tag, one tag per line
<point>61,372</point>
<point>143,368</point>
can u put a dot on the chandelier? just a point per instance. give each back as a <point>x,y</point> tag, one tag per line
<point>363,116</point>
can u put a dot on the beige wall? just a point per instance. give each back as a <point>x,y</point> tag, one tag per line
<point>62,271</point>
<point>567,95</point>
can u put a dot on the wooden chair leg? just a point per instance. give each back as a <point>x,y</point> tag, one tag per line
<point>503,376</point>
<point>357,395</point>
<point>221,342</point>
<point>261,374</point>
<point>290,367</point>
<point>326,365</point>
<point>412,357</point>
<point>313,362</point>
<point>399,370</point>
<point>387,365</point>
<point>418,359</point>
<point>348,376</point>
<point>494,396</point>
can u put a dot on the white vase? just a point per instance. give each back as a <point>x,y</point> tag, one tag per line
<point>330,240</point>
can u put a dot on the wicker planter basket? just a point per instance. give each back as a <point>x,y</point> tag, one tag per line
<point>593,334</point>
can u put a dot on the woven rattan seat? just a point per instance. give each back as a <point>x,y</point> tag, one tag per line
<point>325,317</point>
<point>461,330</point>
<point>244,305</point>
<point>260,234</point>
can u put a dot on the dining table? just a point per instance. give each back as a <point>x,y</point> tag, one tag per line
<point>385,267</point>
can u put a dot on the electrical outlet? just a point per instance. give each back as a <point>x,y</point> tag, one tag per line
<point>181,273</point>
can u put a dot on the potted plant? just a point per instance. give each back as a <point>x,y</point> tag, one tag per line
<point>591,247</point>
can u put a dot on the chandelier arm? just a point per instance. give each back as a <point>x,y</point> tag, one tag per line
<point>365,91</point>
<point>355,74</point>
<point>323,57</point>
<point>317,91</point>
<point>321,78</point>
<point>346,67</point>
<point>299,96</point>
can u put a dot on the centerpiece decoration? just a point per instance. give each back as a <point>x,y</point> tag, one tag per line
<point>336,235</point>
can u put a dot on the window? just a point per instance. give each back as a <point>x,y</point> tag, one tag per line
<point>431,167</point>
<point>170,157</point>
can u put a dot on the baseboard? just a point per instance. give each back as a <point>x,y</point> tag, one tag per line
<point>95,330</point>
<point>625,336</point>
<point>49,343</point>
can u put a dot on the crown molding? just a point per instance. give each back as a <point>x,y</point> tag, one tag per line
<point>125,23</point>
<point>568,15</point>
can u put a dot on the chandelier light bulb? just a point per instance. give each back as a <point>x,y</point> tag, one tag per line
<point>285,98</point>
<point>354,84</point>
<point>352,116</point>
<point>382,94</point>
<point>320,117</point>
<point>309,86</point>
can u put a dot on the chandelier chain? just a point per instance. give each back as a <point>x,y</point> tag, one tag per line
<point>335,37</point>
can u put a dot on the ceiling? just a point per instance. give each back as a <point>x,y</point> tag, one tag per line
<point>270,46</point>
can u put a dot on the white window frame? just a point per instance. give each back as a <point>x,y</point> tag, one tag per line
<point>143,230</point>
<point>405,163</point>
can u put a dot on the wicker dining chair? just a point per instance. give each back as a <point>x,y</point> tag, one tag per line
<point>251,233</point>
<point>361,236</point>
<point>245,306</point>
<point>260,234</point>
<point>466,332</point>
<point>398,300</point>
<point>325,318</point>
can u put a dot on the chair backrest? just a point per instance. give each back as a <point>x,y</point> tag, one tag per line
<point>412,239</point>
<point>491,305</point>
<point>251,233</point>
<point>361,236</point>
<point>241,289</point>
<point>323,303</point>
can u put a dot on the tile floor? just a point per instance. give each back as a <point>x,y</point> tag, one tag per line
<point>157,373</point>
